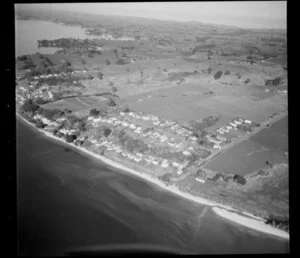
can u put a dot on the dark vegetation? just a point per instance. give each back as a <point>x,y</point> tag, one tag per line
<point>29,106</point>
<point>239,179</point>
<point>273,82</point>
<point>132,144</point>
<point>218,75</point>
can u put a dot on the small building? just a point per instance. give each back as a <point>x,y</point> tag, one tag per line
<point>186,153</point>
<point>233,125</point>
<point>175,164</point>
<point>200,180</point>
<point>132,126</point>
<point>247,121</point>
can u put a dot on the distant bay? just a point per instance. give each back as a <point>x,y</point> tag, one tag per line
<point>28,32</point>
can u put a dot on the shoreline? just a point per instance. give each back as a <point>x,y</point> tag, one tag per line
<point>224,211</point>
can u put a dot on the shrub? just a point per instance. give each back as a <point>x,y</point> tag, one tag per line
<point>126,110</point>
<point>239,179</point>
<point>218,75</point>
<point>121,62</point>
<point>100,75</point>
<point>107,131</point>
<point>227,73</point>
<point>114,89</point>
<point>111,103</point>
<point>70,138</point>
<point>166,178</point>
<point>94,112</point>
<point>107,62</point>
<point>201,173</point>
<point>40,124</point>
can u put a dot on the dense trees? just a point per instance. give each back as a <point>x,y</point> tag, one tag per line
<point>29,106</point>
<point>40,124</point>
<point>70,138</point>
<point>278,223</point>
<point>132,144</point>
<point>107,131</point>
<point>28,63</point>
<point>94,112</point>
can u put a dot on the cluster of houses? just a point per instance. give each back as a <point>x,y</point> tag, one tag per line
<point>45,76</point>
<point>282,91</point>
<point>145,132</point>
<point>43,93</point>
<point>139,157</point>
<point>24,93</point>
<point>233,125</point>
<point>49,123</point>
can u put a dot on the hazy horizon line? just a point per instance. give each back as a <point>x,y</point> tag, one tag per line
<point>165,19</point>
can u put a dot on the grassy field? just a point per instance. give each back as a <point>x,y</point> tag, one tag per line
<point>77,103</point>
<point>275,136</point>
<point>245,158</point>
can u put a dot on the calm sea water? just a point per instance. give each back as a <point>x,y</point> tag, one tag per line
<point>28,32</point>
<point>68,200</point>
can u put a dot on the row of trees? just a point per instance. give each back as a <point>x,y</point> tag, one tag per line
<point>278,223</point>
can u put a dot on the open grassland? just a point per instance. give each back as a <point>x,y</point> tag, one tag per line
<point>275,136</point>
<point>245,158</point>
<point>77,103</point>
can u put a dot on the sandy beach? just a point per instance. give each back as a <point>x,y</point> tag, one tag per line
<point>222,210</point>
<point>250,223</point>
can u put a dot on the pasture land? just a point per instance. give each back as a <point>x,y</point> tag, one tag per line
<point>245,158</point>
<point>77,103</point>
<point>275,136</point>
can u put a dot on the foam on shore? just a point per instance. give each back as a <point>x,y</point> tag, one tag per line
<point>220,209</point>
<point>250,223</point>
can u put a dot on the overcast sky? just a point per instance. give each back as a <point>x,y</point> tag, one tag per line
<point>256,14</point>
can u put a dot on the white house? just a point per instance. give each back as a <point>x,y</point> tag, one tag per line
<point>165,164</point>
<point>247,121</point>
<point>200,180</point>
<point>186,153</point>
<point>179,172</point>
<point>175,164</point>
